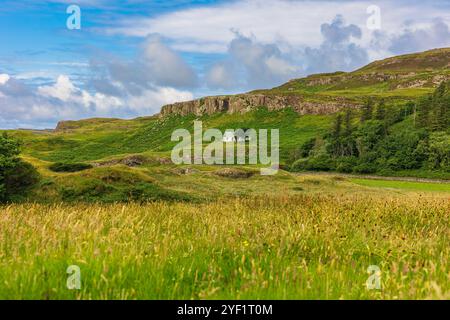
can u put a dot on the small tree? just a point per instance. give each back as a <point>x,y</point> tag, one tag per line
<point>348,122</point>
<point>380,113</point>
<point>9,151</point>
<point>367,110</point>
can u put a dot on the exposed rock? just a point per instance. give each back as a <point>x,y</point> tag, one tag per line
<point>185,171</point>
<point>422,83</point>
<point>130,161</point>
<point>66,126</point>
<point>246,102</point>
<point>164,161</point>
<point>233,173</point>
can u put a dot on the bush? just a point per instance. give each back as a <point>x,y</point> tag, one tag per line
<point>365,168</point>
<point>321,163</point>
<point>9,152</point>
<point>300,165</point>
<point>318,163</point>
<point>21,178</point>
<point>346,164</point>
<point>69,167</point>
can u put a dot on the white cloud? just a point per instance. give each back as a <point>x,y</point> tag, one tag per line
<point>150,101</point>
<point>251,64</point>
<point>419,38</point>
<point>211,28</point>
<point>47,105</point>
<point>63,89</point>
<point>155,65</point>
<point>221,76</point>
<point>165,66</point>
<point>4,78</point>
<point>263,64</point>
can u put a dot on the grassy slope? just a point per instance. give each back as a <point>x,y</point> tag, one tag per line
<point>97,140</point>
<point>360,84</point>
<point>91,142</point>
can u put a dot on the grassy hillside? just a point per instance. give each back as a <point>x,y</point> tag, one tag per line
<point>92,140</point>
<point>396,79</point>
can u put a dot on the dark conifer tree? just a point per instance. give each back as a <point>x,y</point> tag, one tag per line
<point>380,113</point>
<point>367,110</point>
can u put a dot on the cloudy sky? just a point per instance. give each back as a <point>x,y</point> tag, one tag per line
<point>131,57</point>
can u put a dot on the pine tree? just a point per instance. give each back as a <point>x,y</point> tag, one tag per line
<point>380,113</point>
<point>367,110</point>
<point>336,144</point>
<point>337,127</point>
<point>437,113</point>
<point>440,91</point>
<point>423,109</point>
<point>348,122</point>
<point>348,142</point>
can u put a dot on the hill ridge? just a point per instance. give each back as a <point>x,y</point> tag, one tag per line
<point>398,78</point>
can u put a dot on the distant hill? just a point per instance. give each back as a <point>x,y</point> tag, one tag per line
<point>397,79</point>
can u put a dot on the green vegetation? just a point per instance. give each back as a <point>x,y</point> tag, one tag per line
<point>108,199</point>
<point>16,176</point>
<point>152,135</point>
<point>385,139</point>
<point>403,185</point>
<point>282,247</point>
<point>69,167</point>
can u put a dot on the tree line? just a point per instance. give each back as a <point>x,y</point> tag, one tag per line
<point>382,138</point>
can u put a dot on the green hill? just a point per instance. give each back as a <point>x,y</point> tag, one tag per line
<point>398,78</point>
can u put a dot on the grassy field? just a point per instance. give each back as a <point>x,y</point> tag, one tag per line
<point>406,185</point>
<point>305,246</point>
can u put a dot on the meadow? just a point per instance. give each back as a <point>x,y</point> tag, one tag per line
<point>109,200</point>
<point>290,246</point>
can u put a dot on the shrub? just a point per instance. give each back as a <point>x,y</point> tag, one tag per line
<point>69,167</point>
<point>321,163</point>
<point>346,164</point>
<point>13,172</point>
<point>21,178</point>
<point>300,165</point>
<point>365,168</point>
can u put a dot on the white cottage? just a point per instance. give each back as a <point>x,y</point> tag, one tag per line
<point>236,136</point>
<point>229,136</point>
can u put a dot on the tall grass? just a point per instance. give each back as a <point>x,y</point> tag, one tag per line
<point>291,247</point>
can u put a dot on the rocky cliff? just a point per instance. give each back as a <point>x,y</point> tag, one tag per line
<point>246,102</point>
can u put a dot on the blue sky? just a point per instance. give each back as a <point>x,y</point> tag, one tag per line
<point>131,57</point>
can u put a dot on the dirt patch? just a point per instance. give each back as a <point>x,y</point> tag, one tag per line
<point>131,161</point>
<point>164,160</point>
<point>234,173</point>
<point>185,171</point>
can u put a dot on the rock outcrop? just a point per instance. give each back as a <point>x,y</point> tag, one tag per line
<point>66,126</point>
<point>246,102</point>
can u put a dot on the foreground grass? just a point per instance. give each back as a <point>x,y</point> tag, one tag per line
<point>291,247</point>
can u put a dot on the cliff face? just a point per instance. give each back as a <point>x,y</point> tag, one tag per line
<point>246,102</point>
